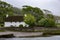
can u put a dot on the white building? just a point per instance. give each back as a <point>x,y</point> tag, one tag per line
<point>14,21</point>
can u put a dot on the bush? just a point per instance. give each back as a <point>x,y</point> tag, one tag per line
<point>47,22</point>
<point>21,26</point>
<point>29,19</point>
<point>1,25</point>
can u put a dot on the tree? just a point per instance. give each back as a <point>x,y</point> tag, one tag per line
<point>36,12</point>
<point>47,22</point>
<point>5,8</point>
<point>29,19</point>
<point>17,11</point>
<point>50,16</point>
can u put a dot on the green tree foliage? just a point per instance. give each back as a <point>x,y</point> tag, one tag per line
<point>47,22</point>
<point>21,26</point>
<point>29,19</point>
<point>5,8</point>
<point>36,12</point>
<point>50,16</point>
<point>17,11</point>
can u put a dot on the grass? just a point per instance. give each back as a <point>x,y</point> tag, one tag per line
<point>58,24</point>
<point>2,30</point>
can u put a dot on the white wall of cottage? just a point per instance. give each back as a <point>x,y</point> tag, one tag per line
<point>15,24</point>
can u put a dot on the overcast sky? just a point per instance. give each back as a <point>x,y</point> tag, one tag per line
<point>52,5</point>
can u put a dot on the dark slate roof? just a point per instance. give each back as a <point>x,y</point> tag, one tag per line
<point>14,19</point>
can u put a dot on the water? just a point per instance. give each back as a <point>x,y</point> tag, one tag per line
<point>36,38</point>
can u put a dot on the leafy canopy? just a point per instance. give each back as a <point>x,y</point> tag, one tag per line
<point>36,12</point>
<point>47,22</point>
<point>29,19</point>
<point>5,8</point>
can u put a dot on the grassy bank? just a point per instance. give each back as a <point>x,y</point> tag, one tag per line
<point>2,30</point>
<point>52,32</point>
<point>46,31</point>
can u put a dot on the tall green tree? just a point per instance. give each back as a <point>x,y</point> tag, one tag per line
<point>17,11</point>
<point>37,12</point>
<point>50,16</point>
<point>5,8</point>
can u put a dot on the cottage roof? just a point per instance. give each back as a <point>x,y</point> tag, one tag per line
<point>14,19</point>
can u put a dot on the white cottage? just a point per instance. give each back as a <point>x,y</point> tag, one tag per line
<point>14,21</point>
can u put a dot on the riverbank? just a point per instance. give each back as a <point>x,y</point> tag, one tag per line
<point>9,34</point>
<point>30,32</point>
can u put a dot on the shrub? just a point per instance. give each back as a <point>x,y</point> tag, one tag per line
<point>1,25</point>
<point>21,26</point>
<point>47,22</point>
<point>29,19</point>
